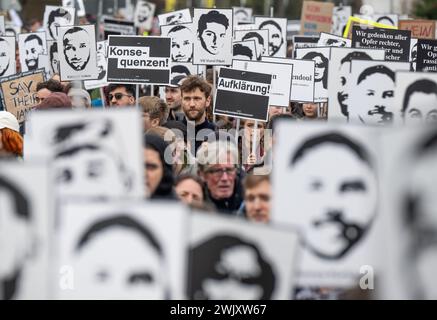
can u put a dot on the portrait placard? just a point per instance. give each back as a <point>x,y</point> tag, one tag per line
<point>7,56</point>
<point>261,38</point>
<point>182,41</point>
<point>277,34</point>
<point>144,13</point>
<point>55,17</point>
<point>30,46</point>
<point>175,17</point>
<point>244,50</point>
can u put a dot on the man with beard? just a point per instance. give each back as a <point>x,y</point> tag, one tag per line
<point>275,36</point>
<point>181,43</point>
<point>54,58</point>
<point>58,18</point>
<point>33,47</point>
<point>77,48</point>
<point>339,197</point>
<point>5,59</point>
<point>196,97</point>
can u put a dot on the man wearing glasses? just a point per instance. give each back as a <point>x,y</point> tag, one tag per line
<point>121,95</point>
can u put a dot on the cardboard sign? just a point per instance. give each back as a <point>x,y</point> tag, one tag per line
<point>7,56</point>
<point>266,256</point>
<point>182,41</point>
<point>77,53</point>
<point>261,38</point>
<point>340,17</point>
<point>242,15</point>
<point>102,63</point>
<point>244,50</point>
<point>316,17</point>
<point>213,41</point>
<point>339,78</point>
<point>118,27</point>
<point>175,17</point>
<point>395,42</point>
<point>416,97</point>
<point>277,35</point>
<point>421,29</point>
<point>302,84</point>
<point>144,12</point>
<point>18,92</point>
<point>331,40</point>
<point>321,58</point>
<point>31,45</point>
<point>57,17</point>
<point>242,94</point>
<point>281,78</point>
<point>137,59</point>
<point>427,55</point>
<point>372,92</point>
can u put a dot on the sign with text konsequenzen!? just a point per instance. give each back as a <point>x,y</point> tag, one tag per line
<point>139,60</point>
<point>18,92</point>
<point>396,43</point>
<point>242,94</point>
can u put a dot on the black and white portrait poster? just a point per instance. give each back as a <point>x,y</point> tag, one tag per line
<point>302,83</point>
<point>78,4</point>
<point>387,19</point>
<point>340,17</point>
<point>261,38</point>
<point>300,41</point>
<point>244,50</point>
<point>122,250</point>
<point>55,17</point>
<point>339,78</point>
<point>7,56</point>
<point>427,55</point>
<point>30,46</point>
<point>213,39</point>
<point>409,206</point>
<point>182,41</point>
<point>175,17</point>
<point>53,56</point>
<point>102,48</point>
<point>181,70</point>
<point>77,53</point>
<point>321,58</point>
<point>282,75</point>
<point>95,154</point>
<point>26,215</point>
<point>331,40</point>
<point>232,259</point>
<point>144,13</point>
<point>413,54</point>
<point>277,34</point>
<point>242,15</point>
<point>325,183</point>
<point>372,92</point>
<point>416,95</point>
<point>138,59</point>
<point>243,94</point>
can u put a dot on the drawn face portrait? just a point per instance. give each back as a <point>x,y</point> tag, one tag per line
<point>4,56</point>
<point>181,44</point>
<point>54,58</point>
<point>58,18</point>
<point>105,268</point>
<point>241,16</point>
<point>228,268</point>
<point>319,69</point>
<point>15,214</point>
<point>339,198</point>
<point>211,31</point>
<point>242,52</point>
<point>374,96</point>
<point>144,12</point>
<point>77,48</point>
<point>101,65</point>
<point>259,43</point>
<point>174,19</point>
<point>275,36</point>
<point>420,103</point>
<point>33,47</point>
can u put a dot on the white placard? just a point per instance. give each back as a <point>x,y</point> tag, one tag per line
<point>277,34</point>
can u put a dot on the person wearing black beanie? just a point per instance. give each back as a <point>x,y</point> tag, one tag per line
<point>159,173</point>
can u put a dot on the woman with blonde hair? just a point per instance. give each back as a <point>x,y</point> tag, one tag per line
<point>11,141</point>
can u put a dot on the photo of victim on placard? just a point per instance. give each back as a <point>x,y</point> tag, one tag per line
<point>55,17</point>
<point>339,78</point>
<point>372,92</point>
<point>331,40</point>
<point>277,34</point>
<point>144,13</point>
<point>244,50</point>
<point>182,41</point>
<point>7,56</point>
<point>321,58</point>
<point>213,36</point>
<point>31,45</point>
<point>102,47</point>
<point>77,53</point>
<point>261,38</point>
<point>242,15</point>
<point>175,17</point>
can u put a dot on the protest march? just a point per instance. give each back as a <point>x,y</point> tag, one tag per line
<point>218,150</point>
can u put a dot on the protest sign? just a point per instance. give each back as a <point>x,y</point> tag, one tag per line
<point>31,45</point>
<point>144,12</point>
<point>118,27</point>
<point>302,83</point>
<point>77,53</point>
<point>261,38</point>
<point>395,42</point>
<point>57,17</point>
<point>182,41</point>
<point>304,42</point>
<point>102,63</point>
<point>175,17</point>
<point>7,56</point>
<point>340,17</point>
<point>18,92</point>
<point>316,17</point>
<point>421,29</point>
<point>242,94</point>
<point>137,59</point>
<point>331,40</point>
<point>277,34</point>
<point>426,55</point>
<point>244,50</point>
<point>281,78</point>
<point>242,15</point>
<point>213,43</point>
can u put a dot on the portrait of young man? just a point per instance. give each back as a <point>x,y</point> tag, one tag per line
<point>7,56</point>
<point>31,46</point>
<point>77,48</point>
<point>182,39</point>
<point>277,35</point>
<point>55,17</point>
<point>420,102</point>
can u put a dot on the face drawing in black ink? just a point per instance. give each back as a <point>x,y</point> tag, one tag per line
<point>77,48</point>
<point>212,30</point>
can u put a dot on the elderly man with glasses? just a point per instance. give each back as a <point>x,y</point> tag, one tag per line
<point>121,95</point>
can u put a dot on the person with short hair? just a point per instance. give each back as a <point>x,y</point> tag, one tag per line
<point>257,198</point>
<point>44,89</point>
<point>154,111</point>
<point>189,189</point>
<point>121,95</point>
